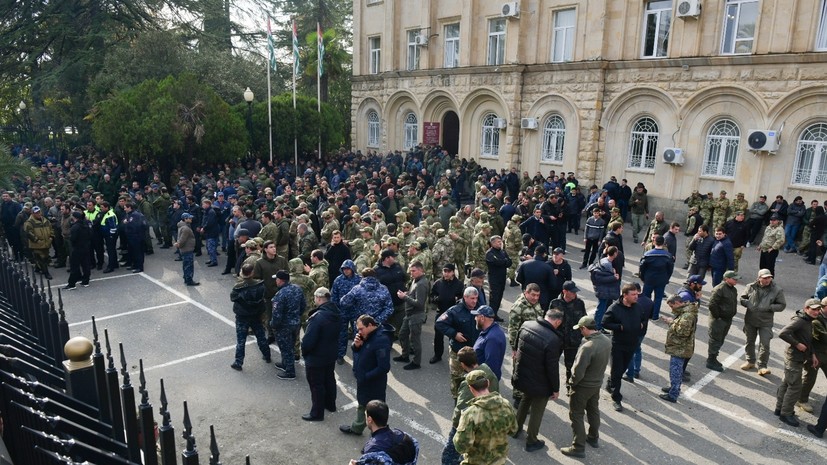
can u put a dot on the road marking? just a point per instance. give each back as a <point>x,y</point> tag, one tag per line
<point>132,312</point>
<point>695,388</point>
<point>191,357</point>
<point>190,300</point>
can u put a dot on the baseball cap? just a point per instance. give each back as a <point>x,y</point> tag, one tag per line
<point>387,253</point>
<point>474,376</point>
<point>449,267</point>
<point>36,210</point>
<point>586,322</point>
<point>810,303</point>
<point>477,273</point>
<point>763,273</point>
<point>570,286</point>
<point>732,275</point>
<point>186,216</point>
<point>558,250</point>
<point>775,217</point>
<point>485,311</point>
<point>243,232</point>
<point>282,275</point>
<point>696,278</point>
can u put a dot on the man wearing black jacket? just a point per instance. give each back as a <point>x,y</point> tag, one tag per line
<point>444,294</point>
<point>248,303</point>
<point>320,347</point>
<point>536,371</point>
<point>391,275</point>
<point>625,320</point>
<point>498,262</point>
<point>539,272</point>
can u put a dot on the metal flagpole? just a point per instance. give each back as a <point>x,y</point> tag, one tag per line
<point>270,62</point>
<point>320,53</point>
<point>295,66</point>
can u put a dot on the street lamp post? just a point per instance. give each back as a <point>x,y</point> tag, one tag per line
<point>24,126</point>
<point>248,97</point>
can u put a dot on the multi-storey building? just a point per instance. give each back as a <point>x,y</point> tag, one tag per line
<point>604,87</point>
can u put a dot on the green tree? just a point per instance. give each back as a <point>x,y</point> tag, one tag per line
<point>11,166</point>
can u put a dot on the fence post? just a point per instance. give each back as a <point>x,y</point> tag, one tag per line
<point>167,432</point>
<point>147,422</point>
<point>190,454</point>
<point>54,323</point>
<point>214,454</point>
<point>130,417</point>
<point>105,412</point>
<point>79,370</point>
<point>112,393</point>
<point>64,325</point>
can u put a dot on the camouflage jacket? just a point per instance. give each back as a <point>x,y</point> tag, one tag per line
<point>483,430</point>
<point>307,244</point>
<point>442,253</point>
<point>300,279</point>
<point>773,238</point>
<point>476,254</point>
<point>327,230</point>
<point>513,239</point>
<point>680,337</point>
<point>288,306</point>
<point>319,273</point>
<point>521,312</point>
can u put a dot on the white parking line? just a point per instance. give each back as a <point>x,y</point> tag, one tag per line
<point>728,362</point>
<point>190,300</point>
<point>191,357</point>
<point>131,312</point>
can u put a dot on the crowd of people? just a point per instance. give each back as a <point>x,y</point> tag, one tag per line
<point>353,252</point>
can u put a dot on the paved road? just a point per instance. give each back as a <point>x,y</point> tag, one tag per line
<point>186,336</point>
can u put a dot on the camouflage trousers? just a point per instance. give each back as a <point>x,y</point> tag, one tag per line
<point>41,259</point>
<point>737,252</point>
<point>286,339</point>
<point>689,252</point>
<point>241,328</point>
<point>457,373</point>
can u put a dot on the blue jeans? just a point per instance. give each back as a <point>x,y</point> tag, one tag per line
<point>187,263</point>
<point>637,360</point>
<point>790,231</point>
<point>602,306</point>
<point>212,249</point>
<point>657,300</point>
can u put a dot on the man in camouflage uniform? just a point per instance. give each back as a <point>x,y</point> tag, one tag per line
<point>282,239</point>
<point>479,247</point>
<point>39,232</point>
<point>719,217</point>
<point>484,221</point>
<point>659,226</point>
<point>405,234</point>
<point>307,241</point>
<point>738,205</point>
<point>318,270</point>
<point>525,308</point>
<point>417,252</point>
<point>484,427</point>
<point>394,244</point>
<point>693,222</point>
<point>694,200</point>
<point>442,252</point>
<point>330,225</point>
<point>707,207</point>
<point>459,235</point>
<point>308,286</point>
<point>288,306</point>
<point>160,205</point>
<point>513,245</point>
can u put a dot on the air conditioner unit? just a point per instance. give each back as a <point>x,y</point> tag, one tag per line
<point>688,9</point>
<point>763,140</point>
<point>421,40</point>
<point>528,123</point>
<point>511,10</point>
<point>673,156</point>
<point>500,123</point>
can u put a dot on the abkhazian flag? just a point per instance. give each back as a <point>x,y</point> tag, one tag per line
<point>295,49</point>
<point>320,44</point>
<point>271,46</point>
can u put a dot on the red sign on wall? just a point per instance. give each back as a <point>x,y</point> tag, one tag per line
<point>431,133</point>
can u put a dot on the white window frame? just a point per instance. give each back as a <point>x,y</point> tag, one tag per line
<point>660,16</point>
<point>451,46</point>
<point>374,128</point>
<point>411,130</point>
<point>562,41</point>
<point>496,41</point>
<point>413,50</point>
<point>554,140</point>
<point>375,54</point>
<point>643,144</point>
<point>723,141</point>
<point>821,38</point>
<point>489,137</point>
<point>810,167</point>
<point>733,11</point>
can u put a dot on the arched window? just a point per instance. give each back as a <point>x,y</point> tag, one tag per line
<point>554,138</point>
<point>811,157</point>
<point>490,141</point>
<point>373,129</point>
<point>643,145</point>
<point>411,131</point>
<point>721,150</point>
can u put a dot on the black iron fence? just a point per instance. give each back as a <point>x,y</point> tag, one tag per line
<point>62,400</point>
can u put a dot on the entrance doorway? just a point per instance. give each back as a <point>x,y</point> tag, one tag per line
<point>450,132</point>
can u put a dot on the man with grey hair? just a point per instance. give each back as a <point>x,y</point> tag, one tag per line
<point>461,328</point>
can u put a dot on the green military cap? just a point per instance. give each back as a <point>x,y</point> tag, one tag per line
<point>475,377</point>
<point>251,244</point>
<point>484,216</point>
<point>416,244</point>
<point>393,240</point>
<point>367,230</point>
<point>616,209</point>
<point>440,232</point>
<point>421,240</point>
<point>407,225</point>
<point>89,188</point>
<point>406,209</point>
<point>516,218</point>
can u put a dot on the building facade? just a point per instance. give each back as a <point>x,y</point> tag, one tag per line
<point>603,87</point>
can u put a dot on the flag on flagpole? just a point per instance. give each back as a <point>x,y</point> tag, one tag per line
<point>271,46</point>
<point>295,49</point>
<point>320,44</point>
